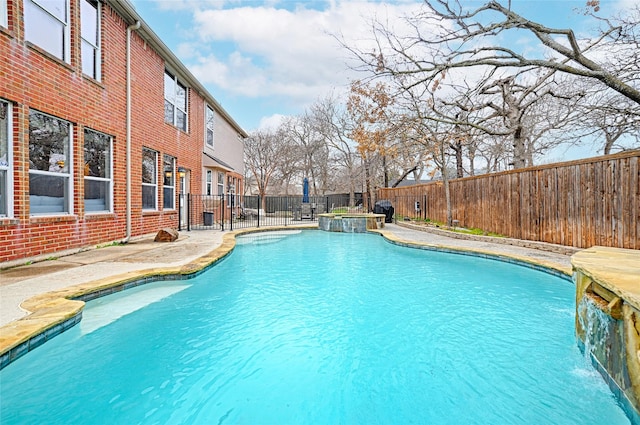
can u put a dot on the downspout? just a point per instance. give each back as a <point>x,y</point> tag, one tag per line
<point>128,178</point>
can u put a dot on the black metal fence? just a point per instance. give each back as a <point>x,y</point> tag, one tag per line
<point>228,212</point>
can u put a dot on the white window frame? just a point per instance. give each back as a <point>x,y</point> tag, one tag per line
<point>67,207</point>
<point>6,164</point>
<point>107,180</point>
<point>30,22</point>
<point>91,46</point>
<point>220,183</point>
<point>153,184</point>
<point>231,191</point>
<point>171,96</point>
<point>209,183</point>
<point>4,14</point>
<point>169,188</point>
<point>209,124</point>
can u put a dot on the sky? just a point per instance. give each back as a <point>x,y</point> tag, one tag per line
<point>265,59</point>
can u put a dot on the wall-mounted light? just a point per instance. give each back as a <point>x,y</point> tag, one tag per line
<point>182,171</point>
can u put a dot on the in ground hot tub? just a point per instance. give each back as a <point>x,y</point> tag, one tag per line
<point>350,223</point>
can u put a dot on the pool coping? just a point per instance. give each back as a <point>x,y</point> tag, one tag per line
<point>54,312</point>
<point>564,272</point>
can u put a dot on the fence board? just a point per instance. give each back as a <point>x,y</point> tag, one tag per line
<point>581,203</point>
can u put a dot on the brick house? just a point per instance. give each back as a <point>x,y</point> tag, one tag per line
<point>101,128</point>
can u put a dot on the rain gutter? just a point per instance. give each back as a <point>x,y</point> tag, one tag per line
<point>130,28</point>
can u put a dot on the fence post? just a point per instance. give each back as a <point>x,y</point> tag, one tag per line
<point>180,201</point>
<point>189,212</point>
<point>259,205</point>
<point>395,213</point>
<point>222,208</point>
<point>424,207</point>
<point>231,203</point>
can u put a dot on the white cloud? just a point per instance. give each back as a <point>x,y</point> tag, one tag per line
<point>187,50</point>
<point>286,52</point>
<point>271,122</point>
<point>236,73</point>
<point>623,5</point>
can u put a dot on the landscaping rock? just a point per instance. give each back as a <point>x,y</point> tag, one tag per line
<point>166,235</point>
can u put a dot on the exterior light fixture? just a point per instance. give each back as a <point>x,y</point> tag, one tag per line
<point>182,171</point>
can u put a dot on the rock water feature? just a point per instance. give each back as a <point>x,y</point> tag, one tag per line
<point>350,223</point>
<point>598,328</point>
<point>608,317</point>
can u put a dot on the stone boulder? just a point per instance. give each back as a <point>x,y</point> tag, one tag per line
<point>166,235</point>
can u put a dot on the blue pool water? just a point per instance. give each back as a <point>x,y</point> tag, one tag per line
<point>320,328</point>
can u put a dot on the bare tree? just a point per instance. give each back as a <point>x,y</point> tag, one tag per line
<point>510,92</point>
<point>528,105</point>
<point>411,159</point>
<point>264,154</point>
<point>434,134</point>
<point>448,36</point>
<point>332,121</point>
<point>288,169</point>
<point>611,120</point>
<point>312,150</point>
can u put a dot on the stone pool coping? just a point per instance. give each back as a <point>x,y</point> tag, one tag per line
<point>538,264</point>
<point>615,269</point>
<point>56,311</point>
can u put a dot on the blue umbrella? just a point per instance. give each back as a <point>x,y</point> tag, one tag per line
<point>305,190</point>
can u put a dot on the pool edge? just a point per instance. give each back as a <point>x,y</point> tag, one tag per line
<point>552,268</point>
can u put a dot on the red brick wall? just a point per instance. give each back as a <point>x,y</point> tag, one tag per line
<point>32,79</point>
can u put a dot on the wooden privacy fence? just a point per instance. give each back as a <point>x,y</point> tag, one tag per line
<point>594,201</point>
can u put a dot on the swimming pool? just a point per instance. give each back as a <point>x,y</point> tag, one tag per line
<point>317,327</point>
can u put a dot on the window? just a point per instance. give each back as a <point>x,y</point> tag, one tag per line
<point>98,149</point>
<point>209,118</point>
<point>50,162</point>
<point>3,13</point>
<point>175,102</point>
<point>6,186</point>
<point>149,179</point>
<point>209,182</point>
<point>220,183</point>
<point>90,35</point>
<point>231,191</point>
<point>46,24</point>
<point>232,186</point>
<point>169,184</point>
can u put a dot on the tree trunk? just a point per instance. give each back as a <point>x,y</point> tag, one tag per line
<point>263,202</point>
<point>608,144</point>
<point>385,171</point>
<point>367,184</point>
<point>471,153</point>
<point>445,181</point>
<point>457,149</point>
<point>519,149</point>
<point>610,139</point>
<point>447,196</point>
